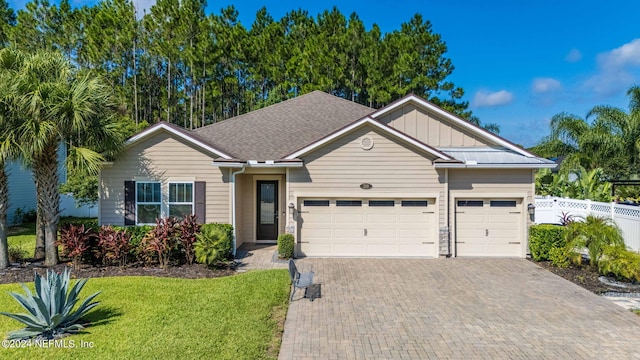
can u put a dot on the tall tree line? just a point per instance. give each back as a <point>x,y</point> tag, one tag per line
<point>177,63</point>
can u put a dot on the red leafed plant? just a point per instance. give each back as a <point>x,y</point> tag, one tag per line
<point>75,240</point>
<point>161,240</point>
<point>113,245</point>
<point>188,230</point>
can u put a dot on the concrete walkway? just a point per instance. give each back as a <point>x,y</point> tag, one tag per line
<point>453,309</point>
<point>257,256</point>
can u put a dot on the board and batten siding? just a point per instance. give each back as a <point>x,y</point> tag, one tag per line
<point>164,158</point>
<point>430,128</point>
<point>393,169</point>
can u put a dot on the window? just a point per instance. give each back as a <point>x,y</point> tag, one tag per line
<point>503,203</point>
<point>415,203</point>
<point>148,202</point>
<point>381,203</point>
<point>316,203</point>
<point>471,203</point>
<point>348,203</point>
<point>180,200</point>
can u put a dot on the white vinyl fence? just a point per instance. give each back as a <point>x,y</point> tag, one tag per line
<point>549,210</point>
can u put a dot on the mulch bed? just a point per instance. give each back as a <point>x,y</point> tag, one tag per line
<point>25,272</point>
<point>584,276</point>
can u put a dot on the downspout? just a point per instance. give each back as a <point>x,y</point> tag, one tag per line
<point>448,212</point>
<point>233,205</point>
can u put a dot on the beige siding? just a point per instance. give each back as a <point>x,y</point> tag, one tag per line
<point>393,170</point>
<point>431,128</point>
<point>163,158</point>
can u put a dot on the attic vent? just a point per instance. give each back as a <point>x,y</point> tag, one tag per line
<point>366,143</point>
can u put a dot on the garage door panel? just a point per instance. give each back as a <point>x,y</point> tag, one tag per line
<point>384,229</point>
<point>388,218</point>
<point>316,219</point>
<point>348,218</point>
<point>348,249</point>
<point>493,229</point>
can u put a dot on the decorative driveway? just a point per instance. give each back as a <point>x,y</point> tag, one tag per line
<point>453,309</point>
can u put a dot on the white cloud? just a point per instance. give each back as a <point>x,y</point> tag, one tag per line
<point>624,56</point>
<point>545,85</point>
<point>617,70</point>
<point>573,56</point>
<point>484,98</point>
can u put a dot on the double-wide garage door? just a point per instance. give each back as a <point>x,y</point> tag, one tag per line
<point>367,227</point>
<point>489,227</point>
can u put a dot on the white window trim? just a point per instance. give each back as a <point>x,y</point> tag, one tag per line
<point>193,196</point>
<point>147,203</point>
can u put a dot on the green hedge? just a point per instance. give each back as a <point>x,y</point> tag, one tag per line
<point>286,244</point>
<point>542,238</point>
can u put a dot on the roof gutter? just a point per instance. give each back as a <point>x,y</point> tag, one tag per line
<point>257,164</point>
<point>493,166</point>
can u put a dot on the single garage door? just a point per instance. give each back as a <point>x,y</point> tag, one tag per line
<point>367,227</point>
<point>489,227</point>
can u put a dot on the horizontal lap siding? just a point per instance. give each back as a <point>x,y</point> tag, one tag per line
<point>166,159</point>
<point>430,128</point>
<point>476,182</point>
<point>391,167</point>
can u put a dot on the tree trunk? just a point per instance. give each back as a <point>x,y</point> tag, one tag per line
<point>4,206</point>
<point>46,171</point>
<point>39,251</point>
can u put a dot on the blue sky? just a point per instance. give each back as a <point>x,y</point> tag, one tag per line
<point>520,62</point>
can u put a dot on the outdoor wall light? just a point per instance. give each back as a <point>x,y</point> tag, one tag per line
<point>531,209</point>
<point>291,206</point>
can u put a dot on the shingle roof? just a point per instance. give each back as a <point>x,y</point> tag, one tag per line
<point>274,131</point>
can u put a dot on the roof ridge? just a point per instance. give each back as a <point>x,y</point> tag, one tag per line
<point>285,103</point>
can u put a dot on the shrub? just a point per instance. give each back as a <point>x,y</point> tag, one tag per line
<point>543,238</point>
<point>136,234</point>
<point>50,312</point>
<point>16,254</point>
<point>188,230</point>
<point>620,263</point>
<point>74,240</point>
<point>214,244</point>
<point>564,256</point>
<point>285,246</point>
<point>113,245</point>
<point>595,233</point>
<point>161,241</point>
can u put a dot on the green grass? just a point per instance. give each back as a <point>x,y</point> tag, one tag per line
<point>236,317</point>
<point>24,236</point>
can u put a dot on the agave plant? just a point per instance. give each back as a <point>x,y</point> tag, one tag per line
<point>51,310</point>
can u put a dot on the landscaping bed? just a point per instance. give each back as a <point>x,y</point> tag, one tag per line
<point>25,273</point>
<point>584,276</point>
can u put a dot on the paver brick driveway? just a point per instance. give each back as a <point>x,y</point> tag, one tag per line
<point>453,308</point>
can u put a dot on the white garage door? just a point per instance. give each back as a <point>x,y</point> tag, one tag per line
<point>489,227</point>
<point>367,227</point>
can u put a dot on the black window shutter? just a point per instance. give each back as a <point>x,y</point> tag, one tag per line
<point>129,203</point>
<point>201,202</point>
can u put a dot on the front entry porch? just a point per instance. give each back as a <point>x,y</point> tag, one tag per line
<point>260,207</point>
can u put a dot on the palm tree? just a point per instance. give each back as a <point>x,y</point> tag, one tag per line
<point>608,138</point>
<point>55,104</point>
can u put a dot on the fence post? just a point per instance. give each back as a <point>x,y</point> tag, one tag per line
<point>555,209</point>
<point>613,211</point>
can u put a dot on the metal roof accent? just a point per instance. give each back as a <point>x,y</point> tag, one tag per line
<point>487,157</point>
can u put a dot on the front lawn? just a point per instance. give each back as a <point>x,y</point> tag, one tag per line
<point>235,317</point>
